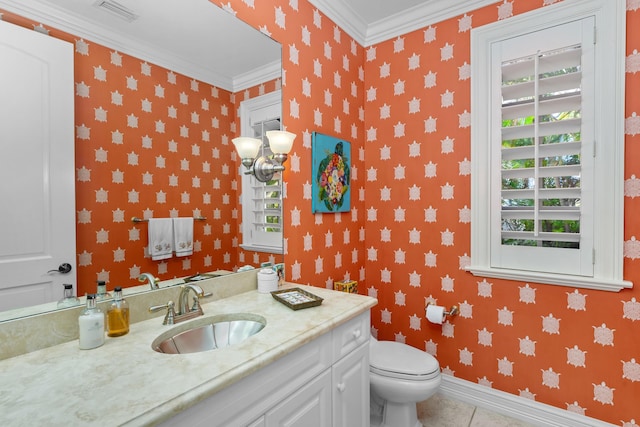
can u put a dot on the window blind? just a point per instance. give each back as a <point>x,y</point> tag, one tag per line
<point>541,164</point>
<point>547,146</point>
<point>266,197</point>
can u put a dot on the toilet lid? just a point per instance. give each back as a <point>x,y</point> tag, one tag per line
<point>397,360</point>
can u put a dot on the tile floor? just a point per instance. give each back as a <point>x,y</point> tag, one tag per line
<point>440,411</point>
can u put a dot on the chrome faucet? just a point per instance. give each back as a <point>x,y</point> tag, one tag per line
<point>153,282</point>
<point>183,300</point>
<point>184,311</point>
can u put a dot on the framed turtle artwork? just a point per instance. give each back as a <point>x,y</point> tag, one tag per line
<point>331,174</point>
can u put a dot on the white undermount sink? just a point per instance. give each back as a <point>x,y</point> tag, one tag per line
<point>209,333</point>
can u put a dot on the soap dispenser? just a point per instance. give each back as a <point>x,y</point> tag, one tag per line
<point>118,315</point>
<point>102,293</point>
<point>69,299</point>
<point>91,324</point>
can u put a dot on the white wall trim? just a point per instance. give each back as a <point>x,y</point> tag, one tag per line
<point>420,16</point>
<point>513,406</point>
<point>345,17</point>
<point>261,75</point>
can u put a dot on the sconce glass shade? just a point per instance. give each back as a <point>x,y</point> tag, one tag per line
<point>280,141</point>
<point>248,148</point>
<point>263,168</point>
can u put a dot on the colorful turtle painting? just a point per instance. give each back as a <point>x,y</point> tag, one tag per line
<point>333,178</point>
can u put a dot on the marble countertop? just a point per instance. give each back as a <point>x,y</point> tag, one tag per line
<point>125,382</point>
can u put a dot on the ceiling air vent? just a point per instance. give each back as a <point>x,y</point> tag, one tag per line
<point>116,9</point>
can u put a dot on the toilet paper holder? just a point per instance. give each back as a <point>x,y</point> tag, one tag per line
<point>453,311</point>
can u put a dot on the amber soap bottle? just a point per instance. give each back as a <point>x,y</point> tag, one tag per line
<point>118,315</point>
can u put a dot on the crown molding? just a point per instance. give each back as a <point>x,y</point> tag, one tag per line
<point>346,18</point>
<point>415,18</point>
<point>95,32</point>
<point>253,78</point>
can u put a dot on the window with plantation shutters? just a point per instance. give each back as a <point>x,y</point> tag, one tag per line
<point>545,137</point>
<point>261,201</point>
<point>265,198</point>
<point>548,146</point>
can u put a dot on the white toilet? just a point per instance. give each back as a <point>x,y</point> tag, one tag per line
<point>400,376</point>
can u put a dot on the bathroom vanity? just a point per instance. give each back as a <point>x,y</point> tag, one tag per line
<point>306,367</point>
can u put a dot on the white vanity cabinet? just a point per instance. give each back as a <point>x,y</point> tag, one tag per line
<point>323,383</point>
<point>350,373</point>
<point>308,407</point>
<point>350,397</point>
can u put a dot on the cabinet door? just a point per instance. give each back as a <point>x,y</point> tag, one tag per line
<point>310,406</point>
<point>351,389</point>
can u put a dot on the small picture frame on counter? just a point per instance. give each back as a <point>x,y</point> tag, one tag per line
<point>350,286</point>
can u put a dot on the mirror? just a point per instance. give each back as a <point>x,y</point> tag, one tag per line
<point>156,100</point>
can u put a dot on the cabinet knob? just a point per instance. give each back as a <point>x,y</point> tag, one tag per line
<point>356,334</point>
<point>341,387</point>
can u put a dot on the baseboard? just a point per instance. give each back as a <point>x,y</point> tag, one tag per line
<point>513,406</point>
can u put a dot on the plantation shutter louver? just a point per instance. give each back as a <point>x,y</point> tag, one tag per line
<point>266,197</point>
<point>541,149</point>
<point>545,141</point>
<point>548,145</point>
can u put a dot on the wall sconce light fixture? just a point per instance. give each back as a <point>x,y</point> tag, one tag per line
<point>262,167</point>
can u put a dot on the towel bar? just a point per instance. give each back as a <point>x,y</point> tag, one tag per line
<point>136,219</point>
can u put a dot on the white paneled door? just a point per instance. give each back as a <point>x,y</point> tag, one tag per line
<point>37,187</point>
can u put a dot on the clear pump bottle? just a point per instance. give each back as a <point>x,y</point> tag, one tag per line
<point>69,299</point>
<point>118,315</point>
<point>91,324</point>
<point>102,293</point>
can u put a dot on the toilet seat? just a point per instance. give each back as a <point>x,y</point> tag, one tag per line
<point>396,360</point>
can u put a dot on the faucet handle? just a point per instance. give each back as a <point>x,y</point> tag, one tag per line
<point>196,304</point>
<point>169,318</point>
<point>196,301</point>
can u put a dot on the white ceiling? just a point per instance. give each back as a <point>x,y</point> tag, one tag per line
<point>191,37</point>
<point>203,41</point>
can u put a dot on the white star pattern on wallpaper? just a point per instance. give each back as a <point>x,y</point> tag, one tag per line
<point>505,367</point>
<point>415,205</point>
<point>527,346</point>
<point>631,309</point>
<point>603,335</point>
<point>82,90</point>
<point>550,324</point>
<point>576,357</point>
<point>485,337</point>
<point>527,294</point>
<point>550,378</point>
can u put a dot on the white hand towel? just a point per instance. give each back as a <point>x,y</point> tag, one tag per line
<point>160,238</point>
<point>183,236</point>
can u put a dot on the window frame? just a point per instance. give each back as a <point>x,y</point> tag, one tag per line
<point>258,109</point>
<point>608,212</point>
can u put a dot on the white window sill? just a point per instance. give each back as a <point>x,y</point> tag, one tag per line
<point>258,248</point>
<point>601,284</point>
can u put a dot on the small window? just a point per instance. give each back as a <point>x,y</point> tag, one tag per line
<point>548,146</point>
<point>261,201</point>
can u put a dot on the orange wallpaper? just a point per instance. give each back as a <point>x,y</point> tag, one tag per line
<point>151,143</point>
<point>571,348</point>
<point>406,238</point>
<point>322,91</point>
<point>403,104</point>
